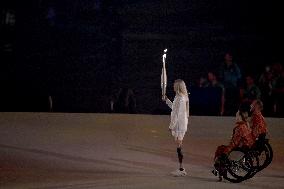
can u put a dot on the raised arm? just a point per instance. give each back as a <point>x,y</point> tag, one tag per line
<point>169,103</point>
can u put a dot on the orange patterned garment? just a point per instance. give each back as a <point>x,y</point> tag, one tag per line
<point>258,125</point>
<point>241,138</point>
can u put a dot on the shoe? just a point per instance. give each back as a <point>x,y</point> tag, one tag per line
<point>179,173</point>
<point>215,172</point>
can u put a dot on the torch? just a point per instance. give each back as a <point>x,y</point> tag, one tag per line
<point>164,75</point>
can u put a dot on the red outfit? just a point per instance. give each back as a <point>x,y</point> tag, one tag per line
<point>242,137</point>
<point>258,125</point>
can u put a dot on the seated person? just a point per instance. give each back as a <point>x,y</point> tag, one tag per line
<point>241,138</point>
<point>258,124</point>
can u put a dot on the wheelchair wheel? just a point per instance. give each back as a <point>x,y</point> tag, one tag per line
<point>254,163</point>
<point>265,156</point>
<point>239,166</point>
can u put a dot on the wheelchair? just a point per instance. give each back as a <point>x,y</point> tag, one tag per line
<point>243,163</point>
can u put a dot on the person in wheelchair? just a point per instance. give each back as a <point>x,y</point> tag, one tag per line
<point>258,124</point>
<point>263,149</point>
<point>242,137</point>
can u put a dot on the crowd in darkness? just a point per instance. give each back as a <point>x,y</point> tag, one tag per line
<point>123,101</point>
<point>238,88</point>
<point>40,40</point>
<point>227,86</point>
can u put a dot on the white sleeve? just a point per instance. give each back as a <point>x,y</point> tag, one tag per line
<point>169,103</point>
<point>175,112</point>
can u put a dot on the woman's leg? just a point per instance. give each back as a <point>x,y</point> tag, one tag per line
<point>180,154</point>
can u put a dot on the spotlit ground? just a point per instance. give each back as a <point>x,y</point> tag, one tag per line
<point>85,151</point>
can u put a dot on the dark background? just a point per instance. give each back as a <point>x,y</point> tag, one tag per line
<point>81,52</point>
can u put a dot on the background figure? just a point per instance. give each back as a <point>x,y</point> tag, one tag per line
<point>230,75</point>
<point>214,83</point>
<point>125,101</point>
<point>266,86</point>
<point>131,102</point>
<point>279,95</point>
<point>251,92</point>
<point>202,82</point>
<point>120,105</point>
<point>111,104</point>
<point>50,103</point>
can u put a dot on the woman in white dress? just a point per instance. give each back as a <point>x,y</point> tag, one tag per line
<point>179,120</point>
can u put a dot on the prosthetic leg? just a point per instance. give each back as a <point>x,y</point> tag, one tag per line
<point>180,158</point>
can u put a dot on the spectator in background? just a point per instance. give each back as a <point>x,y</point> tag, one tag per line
<point>230,72</point>
<point>266,76</point>
<point>131,101</point>
<point>277,69</point>
<point>279,95</point>
<point>266,86</point>
<point>111,103</point>
<point>251,92</point>
<point>50,103</point>
<point>213,82</point>
<point>125,101</point>
<point>202,82</point>
<point>230,75</point>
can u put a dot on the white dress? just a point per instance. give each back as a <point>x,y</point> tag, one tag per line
<point>179,116</point>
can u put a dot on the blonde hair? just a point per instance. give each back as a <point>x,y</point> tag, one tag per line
<point>180,87</point>
<point>181,90</point>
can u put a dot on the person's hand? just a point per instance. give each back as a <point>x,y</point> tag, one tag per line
<point>164,98</point>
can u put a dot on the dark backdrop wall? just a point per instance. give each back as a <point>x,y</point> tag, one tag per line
<point>81,52</point>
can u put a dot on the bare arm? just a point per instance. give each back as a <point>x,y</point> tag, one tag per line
<point>169,102</point>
